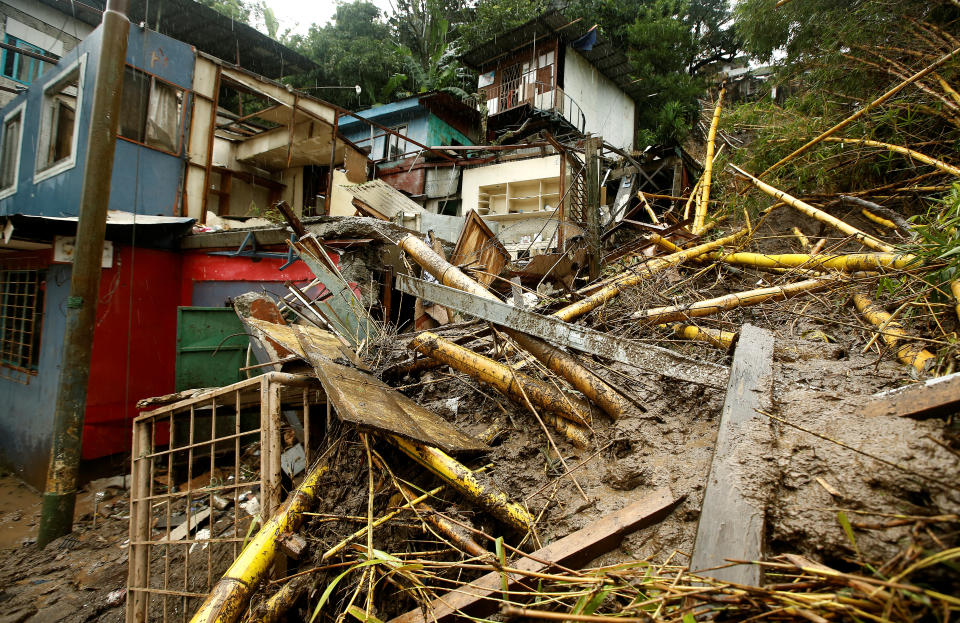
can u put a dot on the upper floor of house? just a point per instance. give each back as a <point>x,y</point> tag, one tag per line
<point>196,136</point>
<point>556,73</point>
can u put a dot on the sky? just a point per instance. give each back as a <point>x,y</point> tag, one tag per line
<point>298,15</point>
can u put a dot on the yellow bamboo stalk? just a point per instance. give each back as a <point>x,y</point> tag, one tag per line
<point>557,360</point>
<point>911,353</point>
<point>693,194</point>
<point>730,301</point>
<point>877,102</point>
<point>703,199</point>
<point>625,280</point>
<point>228,599</point>
<point>860,236</point>
<point>717,337</point>
<point>955,289</point>
<point>274,609</point>
<point>649,209</point>
<point>879,220</point>
<point>663,243</point>
<point>849,262</point>
<point>949,90</point>
<point>804,241</point>
<point>500,376</point>
<point>464,480</point>
<point>817,248</point>
<point>916,155</point>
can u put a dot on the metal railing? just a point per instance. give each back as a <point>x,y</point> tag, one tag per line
<point>541,96</point>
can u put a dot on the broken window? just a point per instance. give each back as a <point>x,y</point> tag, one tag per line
<point>10,150</point>
<point>21,310</point>
<point>394,146</point>
<point>57,148</point>
<point>151,111</point>
<point>24,69</point>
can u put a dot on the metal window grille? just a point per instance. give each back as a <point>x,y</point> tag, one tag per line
<point>21,311</point>
<point>196,464</point>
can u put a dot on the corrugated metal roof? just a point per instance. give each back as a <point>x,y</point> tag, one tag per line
<point>384,198</point>
<point>605,56</point>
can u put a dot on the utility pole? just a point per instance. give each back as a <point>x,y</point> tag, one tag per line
<point>60,493</point>
<point>591,147</point>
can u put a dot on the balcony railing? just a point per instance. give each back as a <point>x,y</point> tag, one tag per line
<point>539,95</point>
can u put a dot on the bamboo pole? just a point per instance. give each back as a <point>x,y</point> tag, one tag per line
<point>625,280</point>
<point>663,243</point>
<point>804,241</point>
<point>561,362</point>
<point>949,90</point>
<point>693,195</point>
<point>703,198</point>
<point>955,289</point>
<point>228,599</point>
<point>916,155</point>
<point>849,262</point>
<point>911,353</point>
<point>274,609</point>
<point>860,236</point>
<point>500,376</point>
<point>730,301</point>
<point>879,220</point>
<point>466,482</point>
<point>718,337</point>
<point>877,102</point>
<point>447,528</point>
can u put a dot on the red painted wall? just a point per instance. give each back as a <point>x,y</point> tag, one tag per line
<point>134,344</point>
<point>200,266</point>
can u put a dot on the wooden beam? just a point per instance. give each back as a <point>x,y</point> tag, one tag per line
<point>732,516</point>
<point>479,598</point>
<point>932,398</point>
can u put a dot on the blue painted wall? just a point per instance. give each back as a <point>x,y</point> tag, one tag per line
<point>145,180</point>
<point>422,126</point>
<point>28,408</point>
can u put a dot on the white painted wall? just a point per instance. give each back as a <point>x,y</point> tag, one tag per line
<point>515,171</point>
<point>608,111</point>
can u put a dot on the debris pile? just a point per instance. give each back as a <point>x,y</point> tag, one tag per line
<point>685,433</point>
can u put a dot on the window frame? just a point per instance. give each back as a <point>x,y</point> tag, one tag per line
<point>181,116</point>
<point>16,42</point>
<point>39,305</point>
<point>392,139</point>
<point>80,66</point>
<point>22,111</point>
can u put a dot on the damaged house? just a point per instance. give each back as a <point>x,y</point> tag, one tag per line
<point>201,142</point>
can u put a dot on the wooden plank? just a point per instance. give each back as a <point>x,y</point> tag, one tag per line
<point>731,516</point>
<point>369,403</point>
<point>188,526</point>
<point>478,599</point>
<point>478,248</point>
<point>933,398</point>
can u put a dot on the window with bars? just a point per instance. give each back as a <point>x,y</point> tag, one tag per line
<point>21,311</point>
<point>24,69</point>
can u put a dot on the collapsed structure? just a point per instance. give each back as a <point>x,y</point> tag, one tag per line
<point>401,368</point>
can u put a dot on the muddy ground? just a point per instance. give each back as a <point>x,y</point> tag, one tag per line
<point>822,378</point>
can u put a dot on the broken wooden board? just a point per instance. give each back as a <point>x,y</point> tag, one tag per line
<point>732,514</point>
<point>188,526</point>
<point>478,251</point>
<point>370,404</point>
<point>644,356</point>
<point>482,596</point>
<point>381,200</point>
<point>935,397</point>
<point>284,335</point>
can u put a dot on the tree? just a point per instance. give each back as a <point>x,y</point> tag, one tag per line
<point>492,17</point>
<point>426,31</point>
<point>355,48</point>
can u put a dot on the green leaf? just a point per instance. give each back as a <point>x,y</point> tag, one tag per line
<point>848,529</point>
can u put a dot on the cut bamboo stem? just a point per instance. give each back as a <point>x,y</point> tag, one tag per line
<point>694,193</point>
<point>916,155</point>
<point>893,333</point>
<point>465,480</point>
<point>955,289</point>
<point>447,528</point>
<point>562,363</point>
<point>848,262</point>
<point>663,243</point>
<point>229,597</point>
<point>502,377</point>
<point>860,236</point>
<point>277,606</point>
<point>717,337</point>
<point>625,280</point>
<point>877,102</point>
<point>730,301</point>
<point>703,199</point>
<point>804,241</point>
<point>879,220</point>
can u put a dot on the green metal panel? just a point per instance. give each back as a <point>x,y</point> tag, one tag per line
<point>211,347</point>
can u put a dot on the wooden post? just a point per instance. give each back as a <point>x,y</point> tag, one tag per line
<point>592,163</point>
<point>731,516</point>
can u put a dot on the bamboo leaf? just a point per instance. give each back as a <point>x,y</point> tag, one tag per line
<point>848,529</point>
